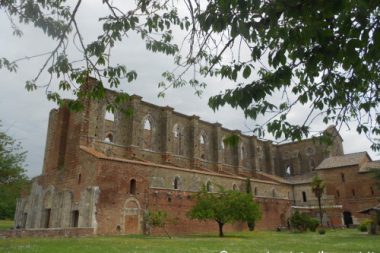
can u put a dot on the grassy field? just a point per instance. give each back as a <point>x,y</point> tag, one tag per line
<point>6,224</point>
<point>343,241</point>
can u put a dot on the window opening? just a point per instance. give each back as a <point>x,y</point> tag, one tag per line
<point>132,186</point>
<point>304,198</point>
<point>176,183</point>
<point>208,186</point>
<point>47,218</point>
<point>75,218</point>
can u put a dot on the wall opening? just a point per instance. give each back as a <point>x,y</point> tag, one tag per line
<point>372,191</point>
<point>176,183</point>
<point>75,218</point>
<point>24,219</point>
<point>288,170</point>
<point>202,145</point>
<point>353,192</point>
<point>132,187</point>
<point>177,140</point>
<point>338,193</point>
<point>234,187</point>
<point>208,186</point>
<point>47,218</point>
<point>342,177</point>
<point>109,116</point>
<point>147,134</point>
<point>347,218</point>
<point>304,198</point>
<point>109,138</point>
<point>255,191</point>
<point>79,178</point>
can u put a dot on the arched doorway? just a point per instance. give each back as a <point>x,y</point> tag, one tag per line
<point>347,218</point>
<point>132,217</point>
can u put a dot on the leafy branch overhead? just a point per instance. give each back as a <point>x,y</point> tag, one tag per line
<point>321,55</point>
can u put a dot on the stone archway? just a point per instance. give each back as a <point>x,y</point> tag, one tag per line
<point>132,216</point>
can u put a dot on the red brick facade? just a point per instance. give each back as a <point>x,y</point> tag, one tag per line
<point>105,175</point>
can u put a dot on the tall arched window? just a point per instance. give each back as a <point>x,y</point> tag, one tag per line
<point>288,170</point>
<point>147,134</point>
<point>202,145</point>
<point>132,186</point>
<point>177,140</point>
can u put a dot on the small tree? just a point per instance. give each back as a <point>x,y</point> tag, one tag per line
<point>302,222</point>
<point>224,207</point>
<point>318,186</point>
<point>158,219</point>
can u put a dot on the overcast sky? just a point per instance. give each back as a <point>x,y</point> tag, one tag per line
<point>24,115</point>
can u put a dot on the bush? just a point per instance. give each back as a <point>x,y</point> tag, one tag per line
<point>321,231</point>
<point>363,227</point>
<point>313,224</point>
<point>303,221</point>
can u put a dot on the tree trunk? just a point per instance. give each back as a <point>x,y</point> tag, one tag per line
<point>221,229</point>
<point>320,210</point>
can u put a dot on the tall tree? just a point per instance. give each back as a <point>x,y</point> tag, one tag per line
<point>12,174</point>
<point>224,207</point>
<point>318,186</point>
<point>250,223</point>
<point>321,54</point>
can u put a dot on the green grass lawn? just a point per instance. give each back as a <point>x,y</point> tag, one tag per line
<point>6,224</point>
<point>261,242</point>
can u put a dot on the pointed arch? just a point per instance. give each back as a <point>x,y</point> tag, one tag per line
<point>177,139</point>
<point>148,132</point>
<point>203,143</point>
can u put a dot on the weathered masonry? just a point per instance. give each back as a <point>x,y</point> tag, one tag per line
<point>103,172</point>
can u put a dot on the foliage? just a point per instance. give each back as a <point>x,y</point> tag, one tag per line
<point>321,231</point>
<point>363,227</point>
<point>224,207</point>
<point>324,55</point>
<point>302,221</point>
<point>12,174</point>
<point>318,186</point>
<point>158,219</point>
<point>251,223</point>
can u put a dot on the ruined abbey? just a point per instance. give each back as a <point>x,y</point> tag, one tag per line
<point>100,176</point>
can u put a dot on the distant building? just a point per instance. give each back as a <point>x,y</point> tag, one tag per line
<point>103,172</point>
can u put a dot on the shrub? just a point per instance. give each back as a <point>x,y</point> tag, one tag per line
<point>363,227</point>
<point>321,231</point>
<point>303,221</point>
<point>313,224</point>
